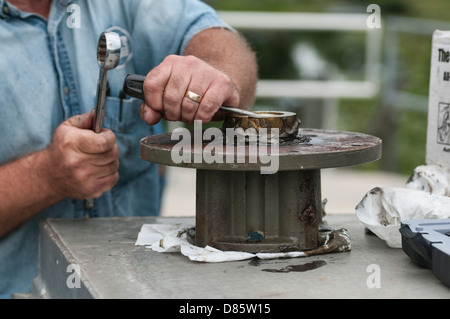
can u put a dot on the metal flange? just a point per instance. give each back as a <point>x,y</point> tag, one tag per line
<point>324,149</point>
<point>238,208</point>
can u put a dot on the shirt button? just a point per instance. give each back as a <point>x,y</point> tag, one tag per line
<point>66,90</point>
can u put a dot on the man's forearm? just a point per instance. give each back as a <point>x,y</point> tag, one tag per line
<point>230,53</point>
<point>24,191</point>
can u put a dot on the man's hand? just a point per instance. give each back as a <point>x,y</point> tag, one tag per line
<point>81,163</point>
<point>217,65</point>
<point>166,85</point>
<point>78,164</point>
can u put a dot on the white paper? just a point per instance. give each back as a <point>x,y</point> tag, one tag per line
<point>383,209</point>
<point>173,238</point>
<point>433,179</point>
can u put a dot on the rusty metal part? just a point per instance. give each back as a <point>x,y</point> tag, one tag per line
<point>248,211</point>
<point>240,209</point>
<point>325,149</point>
<point>287,123</point>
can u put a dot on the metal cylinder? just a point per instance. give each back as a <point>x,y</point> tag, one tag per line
<point>249,211</point>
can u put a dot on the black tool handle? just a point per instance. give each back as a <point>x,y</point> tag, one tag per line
<point>133,86</point>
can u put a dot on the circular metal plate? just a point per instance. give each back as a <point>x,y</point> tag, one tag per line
<point>324,149</point>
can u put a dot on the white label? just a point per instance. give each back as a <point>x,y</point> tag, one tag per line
<point>438,139</point>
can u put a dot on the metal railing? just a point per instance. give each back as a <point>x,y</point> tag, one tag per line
<point>320,89</point>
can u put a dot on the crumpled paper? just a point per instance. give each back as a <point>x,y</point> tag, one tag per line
<point>173,238</point>
<point>424,197</point>
<point>433,179</point>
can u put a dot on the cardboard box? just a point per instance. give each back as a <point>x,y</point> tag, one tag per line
<point>438,136</point>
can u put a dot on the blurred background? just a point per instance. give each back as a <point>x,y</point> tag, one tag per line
<point>321,60</point>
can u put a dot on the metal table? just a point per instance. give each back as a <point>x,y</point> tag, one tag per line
<point>111,266</point>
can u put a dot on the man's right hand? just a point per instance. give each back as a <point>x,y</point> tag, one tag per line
<point>82,164</point>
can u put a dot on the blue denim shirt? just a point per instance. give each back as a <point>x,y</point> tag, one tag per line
<point>49,72</point>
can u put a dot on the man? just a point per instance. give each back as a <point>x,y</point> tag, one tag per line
<point>50,159</point>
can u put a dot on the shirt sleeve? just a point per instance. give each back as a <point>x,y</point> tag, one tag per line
<point>201,17</point>
<point>161,28</point>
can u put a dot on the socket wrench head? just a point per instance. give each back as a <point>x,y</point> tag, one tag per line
<point>108,50</point>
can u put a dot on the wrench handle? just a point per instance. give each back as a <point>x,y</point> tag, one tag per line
<point>99,114</point>
<point>133,86</point>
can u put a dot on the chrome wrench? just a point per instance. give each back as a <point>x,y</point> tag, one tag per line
<point>108,57</point>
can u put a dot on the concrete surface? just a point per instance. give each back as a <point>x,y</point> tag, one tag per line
<point>344,188</point>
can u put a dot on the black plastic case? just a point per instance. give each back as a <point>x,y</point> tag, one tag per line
<point>427,243</point>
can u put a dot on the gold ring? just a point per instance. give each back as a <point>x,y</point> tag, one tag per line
<point>193,96</point>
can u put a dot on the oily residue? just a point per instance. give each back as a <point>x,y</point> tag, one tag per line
<point>258,262</point>
<point>299,268</point>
